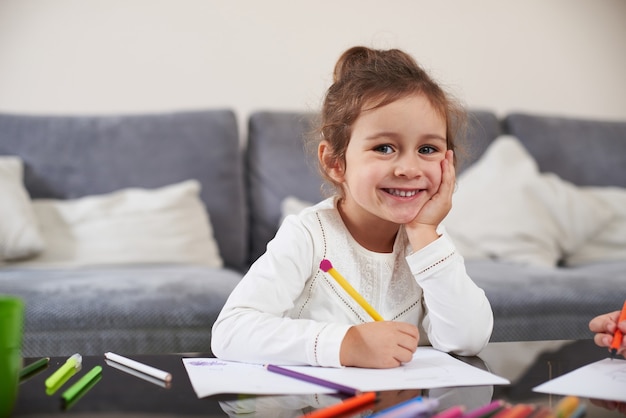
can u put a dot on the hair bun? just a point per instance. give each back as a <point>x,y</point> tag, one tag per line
<point>354,57</point>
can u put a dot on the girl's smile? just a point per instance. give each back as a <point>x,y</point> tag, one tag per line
<point>402,193</point>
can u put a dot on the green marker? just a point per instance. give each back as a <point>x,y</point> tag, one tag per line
<point>83,384</point>
<point>73,362</point>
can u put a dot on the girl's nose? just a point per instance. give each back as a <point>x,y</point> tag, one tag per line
<point>408,166</point>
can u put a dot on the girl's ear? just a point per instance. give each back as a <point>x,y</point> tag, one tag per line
<point>330,164</point>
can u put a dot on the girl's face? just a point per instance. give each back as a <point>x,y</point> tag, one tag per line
<point>393,161</point>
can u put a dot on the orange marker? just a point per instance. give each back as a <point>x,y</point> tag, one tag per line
<point>618,336</point>
<point>501,413</point>
<point>349,405</point>
<point>543,412</point>
<point>519,411</point>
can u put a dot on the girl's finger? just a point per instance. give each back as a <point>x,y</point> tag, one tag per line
<point>448,173</point>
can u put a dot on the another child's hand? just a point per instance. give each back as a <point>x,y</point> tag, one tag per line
<point>604,326</point>
<point>424,226</point>
<point>379,345</point>
<point>610,405</point>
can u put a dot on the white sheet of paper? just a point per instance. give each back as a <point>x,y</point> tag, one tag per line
<point>604,379</point>
<point>428,369</point>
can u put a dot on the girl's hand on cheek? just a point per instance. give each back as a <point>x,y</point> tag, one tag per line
<point>440,203</point>
<point>436,209</point>
<point>379,345</point>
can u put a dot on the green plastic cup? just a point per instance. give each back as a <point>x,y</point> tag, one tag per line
<point>11,325</point>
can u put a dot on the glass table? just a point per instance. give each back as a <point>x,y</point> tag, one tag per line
<point>118,393</point>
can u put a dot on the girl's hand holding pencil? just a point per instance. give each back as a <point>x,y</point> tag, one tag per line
<point>379,345</point>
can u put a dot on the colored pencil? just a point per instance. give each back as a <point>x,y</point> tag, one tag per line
<point>138,374</point>
<point>566,406</point>
<point>34,366</point>
<point>485,411</point>
<point>453,412</point>
<point>408,409</point>
<point>312,379</point>
<point>580,411</point>
<point>143,368</point>
<point>327,267</point>
<point>349,405</point>
<point>518,411</point>
<point>543,412</point>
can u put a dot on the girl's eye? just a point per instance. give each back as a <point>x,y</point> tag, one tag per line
<point>427,149</point>
<point>384,149</point>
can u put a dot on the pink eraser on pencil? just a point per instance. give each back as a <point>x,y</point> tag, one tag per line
<point>325,265</point>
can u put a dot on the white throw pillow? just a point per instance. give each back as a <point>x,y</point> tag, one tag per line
<point>609,244</point>
<point>505,209</point>
<point>19,235</point>
<point>129,226</point>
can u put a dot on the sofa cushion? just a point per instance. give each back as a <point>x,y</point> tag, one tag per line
<point>129,226</point>
<point>538,303</point>
<point>583,151</point>
<point>74,156</point>
<point>131,310</point>
<point>19,235</point>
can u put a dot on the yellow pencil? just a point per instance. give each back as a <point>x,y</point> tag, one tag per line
<point>327,267</point>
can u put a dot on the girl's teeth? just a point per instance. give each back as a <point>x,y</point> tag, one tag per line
<point>402,193</point>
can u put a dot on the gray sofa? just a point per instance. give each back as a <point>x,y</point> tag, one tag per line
<point>171,307</point>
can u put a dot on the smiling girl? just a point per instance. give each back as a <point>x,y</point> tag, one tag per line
<point>386,144</point>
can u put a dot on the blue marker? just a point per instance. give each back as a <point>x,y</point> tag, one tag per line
<point>411,408</point>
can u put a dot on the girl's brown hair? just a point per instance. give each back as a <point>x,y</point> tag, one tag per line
<point>375,78</point>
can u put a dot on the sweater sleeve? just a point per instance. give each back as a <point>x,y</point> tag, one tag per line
<point>253,325</point>
<point>457,314</point>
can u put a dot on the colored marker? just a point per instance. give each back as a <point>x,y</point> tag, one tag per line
<point>34,367</point>
<point>519,411</point>
<point>580,411</point>
<point>312,379</point>
<point>485,411</point>
<point>143,368</point>
<point>543,412</point>
<point>78,389</point>
<point>566,407</point>
<point>411,408</point>
<point>502,412</point>
<point>453,412</point>
<point>618,336</point>
<point>349,405</point>
<point>67,376</point>
<point>327,267</point>
<point>72,363</point>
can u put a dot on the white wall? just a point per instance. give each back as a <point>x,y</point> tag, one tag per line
<point>565,57</point>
